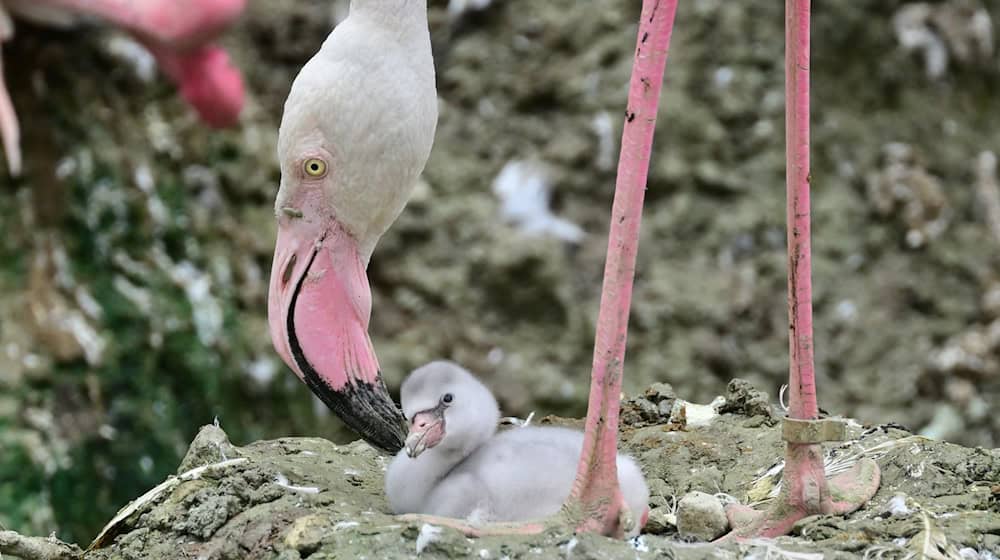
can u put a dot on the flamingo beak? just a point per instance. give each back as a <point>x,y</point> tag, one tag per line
<point>319,304</point>
<point>426,430</point>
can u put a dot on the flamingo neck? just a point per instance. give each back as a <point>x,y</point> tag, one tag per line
<point>406,17</point>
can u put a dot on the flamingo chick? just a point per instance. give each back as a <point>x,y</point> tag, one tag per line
<point>454,464</point>
<point>356,133</point>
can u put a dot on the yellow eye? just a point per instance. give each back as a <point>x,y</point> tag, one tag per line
<point>315,167</point>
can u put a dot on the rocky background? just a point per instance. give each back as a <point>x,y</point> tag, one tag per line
<point>136,251</point>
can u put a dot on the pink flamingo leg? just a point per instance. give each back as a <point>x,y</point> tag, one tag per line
<point>10,131</point>
<point>596,497</point>
<point>596,504</point>
<point>805,490</point>
<point>207,80</point>
<point>178,24</point>
<point>178,33</point>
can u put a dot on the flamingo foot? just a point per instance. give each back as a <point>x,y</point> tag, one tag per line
<point>802,496</point>
<point>601,508</point>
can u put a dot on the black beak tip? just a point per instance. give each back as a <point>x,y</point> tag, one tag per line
<point>368,410</point>
<point>385,433</point>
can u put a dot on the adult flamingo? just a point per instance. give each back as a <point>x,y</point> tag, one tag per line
<point>355,136</point>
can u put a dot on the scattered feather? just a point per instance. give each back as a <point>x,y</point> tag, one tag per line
<point>947,421</point>
<point>428,534</point>
<point>517,422</point>
<point>568,547</point>
<point>969,553</point>
<point>604,127</point>
<point>767,549</point>
<point>206,311</point>
<point>134,54</point>
<point>458,8</point>
<point>262,371</point>
<point>282,481</point>
<point>767,486</point>
<point>524,192</point>
<point>913,32</point>
<point>897,506</point>
<point>931,543</point>
<point>879,552</point>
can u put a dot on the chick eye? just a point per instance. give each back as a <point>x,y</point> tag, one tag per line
<point>315,167</point>
<point>447,398</point>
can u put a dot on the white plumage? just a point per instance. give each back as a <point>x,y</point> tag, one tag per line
<point>368,103</point>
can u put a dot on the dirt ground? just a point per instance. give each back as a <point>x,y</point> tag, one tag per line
<point>296,498</point>
<point>136,251</point>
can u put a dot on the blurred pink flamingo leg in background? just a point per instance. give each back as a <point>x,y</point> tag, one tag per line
<point>805,489</point>
<point>10,131</point>
<point>178,24</point>
<point>207,80</point>
<point>178,33</point>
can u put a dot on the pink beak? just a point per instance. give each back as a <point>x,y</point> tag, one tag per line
<point>319,304</point>
<point>426,430</point>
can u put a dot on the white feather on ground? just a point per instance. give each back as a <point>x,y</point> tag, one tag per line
<point>525,195</point>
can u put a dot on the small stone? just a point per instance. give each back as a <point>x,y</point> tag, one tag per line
<point>659,392</point>
<point>661,521</point>
<point>665,407</point>
<point>991,542</point>
<point>639,412</point>
<point>211,445</point>
<point>743,398</point>
<point>701,517</point>
<point>306,534</point>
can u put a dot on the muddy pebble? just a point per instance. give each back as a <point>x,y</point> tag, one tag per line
<point>701,517</point>
<point>662,521</point>
<point>743,398</point>
<point>211,445</point>
<point>660,392</point>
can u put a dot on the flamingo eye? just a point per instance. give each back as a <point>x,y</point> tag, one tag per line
<point>447,398</point>
<point>315,167</point>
